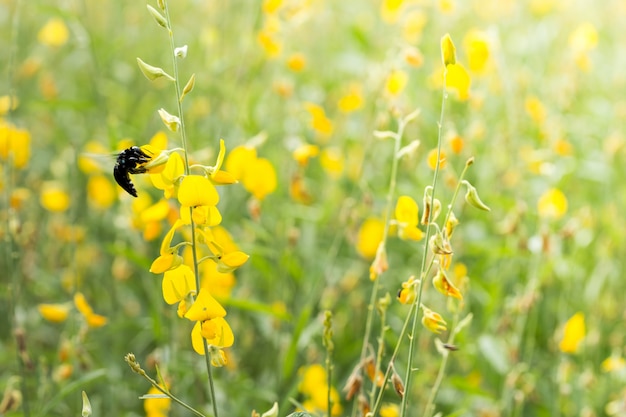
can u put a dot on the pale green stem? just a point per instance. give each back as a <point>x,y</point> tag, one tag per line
<point>392,188</point>
<point>414,327</point>
<point>183,136</point>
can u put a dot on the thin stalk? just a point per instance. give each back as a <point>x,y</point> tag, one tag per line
<point>409,368</point>
<point>170,395</point>
<point>183,136</point>
<point>390,193</point>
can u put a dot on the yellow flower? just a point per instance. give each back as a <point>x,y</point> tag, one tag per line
<point>205,307</point>
<point>396,82</point>
<point>54,33</point>
<point>14,144</point>
<point>389,410</point>
<point>8,103</point>
<point>477,49</point>
<point>156,407</point>
<point>270,44</point>
<point>535,109</point>
<point>315,387</point>
<point>260,178</point>
<point>573,333</point>
<point>413,27</point>
<point>390,10</point>
<point>457,79</point>
<point>100,191</point>
<point>177,284</point>
<point>92,319</point>
<point>352,100</point>
<point>369,236</point>
<point>432,159</point>
<point>552,204</point>
<point>448,51</point>
<point>231,261</point>
<point>54,198</point>
<point>331,160</point>
<point>224,338</point>
<point>407,217</point>
<point>584,38</point>
<point>432,320</point>
<point>197,190</point>
<point>271,6</point>
<point>239,161</point>
<point>304,152</point>
<point>56,313</point>
<point>167,179</point>
<point>319,122</point>
<point>445,286</point>
<point>296,62</point>
<point>613,363</point>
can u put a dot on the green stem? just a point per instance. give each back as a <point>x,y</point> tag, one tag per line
<point>390,193</point>
<point>183,136</point>
<point>418,301</point>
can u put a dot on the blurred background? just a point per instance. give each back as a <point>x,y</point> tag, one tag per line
<point>542,112</point>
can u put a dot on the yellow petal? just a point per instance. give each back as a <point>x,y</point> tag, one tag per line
<point>96,320</point>
<point>407,210</point>
<point>101,191</point>
<point>573,333</point>
<point>217,332</point>
<point>458,79</point>
<point>55,313</point>
<point>177,284</point>
<point>156,212</point>
<point>396,82</point>
<point>552,204</point>
<point>369,236</point>
<point>260,179</point>
<point>54,33</point>
<point>239,160</point>
<point>196,338</point>
<point>205,307</point>
<point>448,51</point>
<point>54,198</point>
<point>197,190</point>
<point>81,304</point>
<point>231,261</point>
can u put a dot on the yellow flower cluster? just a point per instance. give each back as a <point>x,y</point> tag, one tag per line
<point>212,253</point>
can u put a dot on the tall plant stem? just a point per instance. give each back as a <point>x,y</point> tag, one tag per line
<point>183,136</point>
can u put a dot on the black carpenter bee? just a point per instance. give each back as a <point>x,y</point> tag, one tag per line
<point>130,161</point>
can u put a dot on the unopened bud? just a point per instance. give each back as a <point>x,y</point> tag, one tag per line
<point>472,197</point>
<point>172,122</point>
<point>152,73</point>
<point>448,50</point>
<point>158,17</point>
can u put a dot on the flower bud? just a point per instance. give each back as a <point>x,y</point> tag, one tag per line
<point>172,122</point>
<point>158,17</point>
<point>152,73</point>
<point>472,197</point>
<point>448,50</point>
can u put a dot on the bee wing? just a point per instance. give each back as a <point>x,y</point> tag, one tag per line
<point>95,162</point>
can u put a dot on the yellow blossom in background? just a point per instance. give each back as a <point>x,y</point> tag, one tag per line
<point>413,26</point>
<point>270,44</point>
<point>431,159</point>
<point>304,152</point>
<point>457,79</point>
<point>319,122</point>
<point>573,333</point>
<point>477,48</point>
<point>14,144</point>
<point>239,160</point>
<point>219,283</point>
<point>8,103</point>
<point>563,147</point>
<point>535,109</point>
<point>613,363</point>
<point>584,38</point>
<point>48,86</point>
<point>93,319</point>
<point>314,387</point>
<point>101,191</point>
<point>332,161</point>
<point>390,10</point>
<point>552,204</point>
<point>542,7</point>
<point>87,160</point>
<point>156,407</point>
<point>54,198</point>
<point>369,236</point>
<point>19,196</point>
<point>296,62</point>
<point>396,82</point>
<point>352,100</point>
<point>54,33</point>
<point>55,313</point>
<point>271,6</point>
<point>447,6</point>
<point>389,410</point>
<point>456,143</point>
<point>413,57</point>
<point>260,179</point>
<point>407,217</point>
